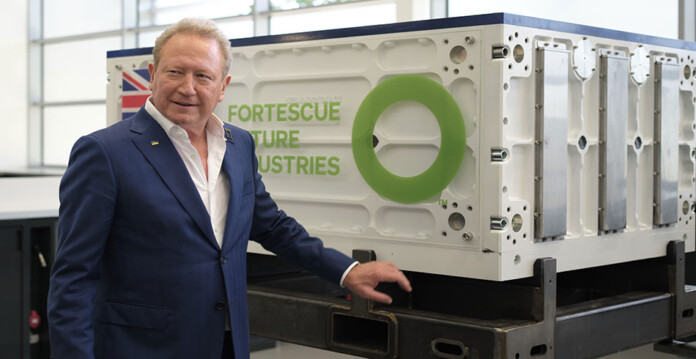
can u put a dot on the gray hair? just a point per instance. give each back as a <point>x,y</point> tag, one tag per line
<point>196,26</point>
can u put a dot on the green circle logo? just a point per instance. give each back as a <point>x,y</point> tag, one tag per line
<point>452,138</point>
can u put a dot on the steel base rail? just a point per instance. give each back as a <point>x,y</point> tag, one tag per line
<point>584,314</point>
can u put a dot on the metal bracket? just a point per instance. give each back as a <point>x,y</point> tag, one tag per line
<point>537,341</point>
<point>684,297</point>
<point>360,329</point>
<point>683,321</point>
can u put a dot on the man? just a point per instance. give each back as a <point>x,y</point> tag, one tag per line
<point>155,216</point>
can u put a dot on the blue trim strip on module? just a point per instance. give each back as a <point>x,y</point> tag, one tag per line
<point>463,21</point>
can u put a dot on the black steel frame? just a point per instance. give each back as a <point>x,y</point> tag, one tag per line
<point>580,314</point>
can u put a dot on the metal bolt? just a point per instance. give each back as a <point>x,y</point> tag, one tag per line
<point>467,236</point>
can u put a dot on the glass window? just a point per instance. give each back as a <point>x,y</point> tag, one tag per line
<point>164,12</point>
<point>657,18</point>
<point>296,4</point>
<point>68,99</point>
<point>237,29</point>
<point>63,125</point>
<point>72,17</point>
<point>147,38</point>
<point>77,70</point>
<point>333,18</point>
<point>233,29</point>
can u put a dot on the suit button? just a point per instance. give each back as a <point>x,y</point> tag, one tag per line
<point>223,259</point>
<point>220,305</point>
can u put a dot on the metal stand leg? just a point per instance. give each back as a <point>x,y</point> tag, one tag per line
<point>360,329</point>
<point>683,324</point>
<point>537,341</point>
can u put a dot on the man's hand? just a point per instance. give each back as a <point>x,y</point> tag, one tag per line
<point>364,277</point>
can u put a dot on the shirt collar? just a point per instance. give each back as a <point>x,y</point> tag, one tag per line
<point>214,127</point>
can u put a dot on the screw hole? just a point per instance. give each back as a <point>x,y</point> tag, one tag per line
<point>582,142</point>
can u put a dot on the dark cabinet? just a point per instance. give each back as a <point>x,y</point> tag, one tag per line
<point>26,253</point>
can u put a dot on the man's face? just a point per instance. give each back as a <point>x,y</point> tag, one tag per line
<point>188,82</point>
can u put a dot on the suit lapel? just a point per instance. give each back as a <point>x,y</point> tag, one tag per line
<point>155,145</point>
<point>235,177</point>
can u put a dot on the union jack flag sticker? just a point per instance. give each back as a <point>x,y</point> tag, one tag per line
<point>135,91</point>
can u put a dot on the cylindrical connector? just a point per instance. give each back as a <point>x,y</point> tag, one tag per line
<point>499,154</point>
<point>498,223</point>
<point>500,52</point>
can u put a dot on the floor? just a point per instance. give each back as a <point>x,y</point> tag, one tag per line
<point>292,351</point>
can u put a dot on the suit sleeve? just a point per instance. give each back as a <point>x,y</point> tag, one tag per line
<point>87,202</point>
<point>282,235</point>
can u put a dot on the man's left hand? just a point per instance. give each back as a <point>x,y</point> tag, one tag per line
<point>364,277</point>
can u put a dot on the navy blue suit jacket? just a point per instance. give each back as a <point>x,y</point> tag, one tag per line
<point>138,272</point>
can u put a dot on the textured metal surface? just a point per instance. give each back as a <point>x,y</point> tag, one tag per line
<point>666,141</point>
<point>612,132</point>
<point>551,137</point>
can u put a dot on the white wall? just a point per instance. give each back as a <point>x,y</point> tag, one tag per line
<point>13,88</point>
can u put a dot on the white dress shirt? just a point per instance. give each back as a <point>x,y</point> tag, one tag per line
<point>214,189</point>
